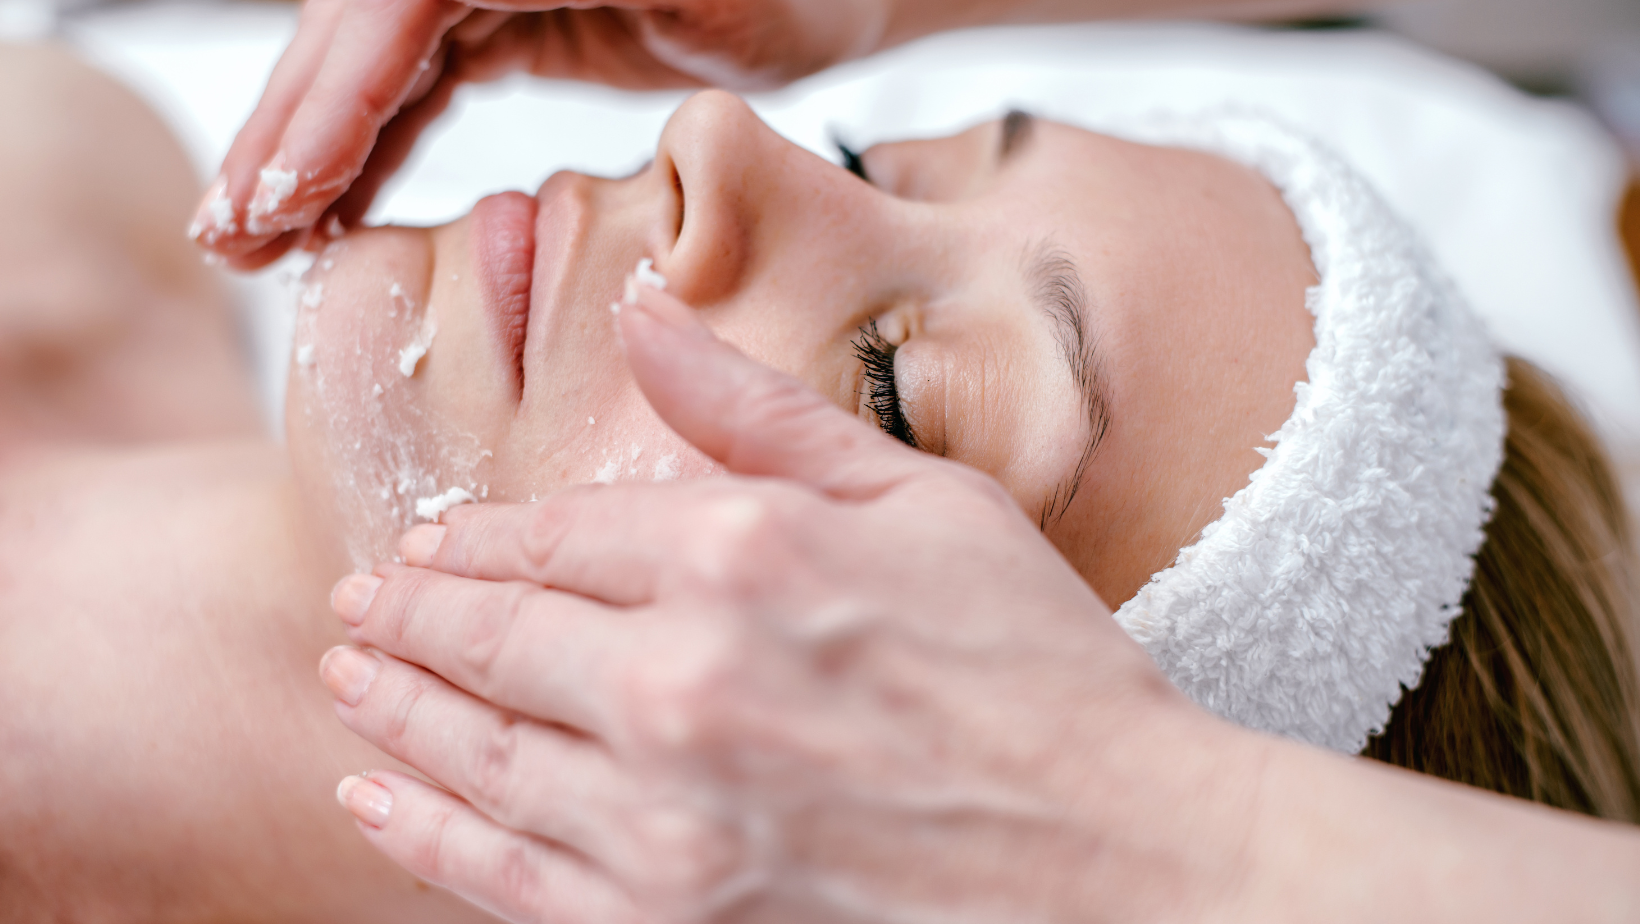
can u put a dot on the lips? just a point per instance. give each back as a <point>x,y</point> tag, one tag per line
<point>503,242</point>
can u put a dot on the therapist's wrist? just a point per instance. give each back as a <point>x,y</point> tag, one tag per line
<point>1347,839</point>
<point>1166,803</point>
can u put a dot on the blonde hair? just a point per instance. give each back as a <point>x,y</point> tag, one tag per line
<point>1535,694</point>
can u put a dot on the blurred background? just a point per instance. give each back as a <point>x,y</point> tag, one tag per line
<point>1583,49</point>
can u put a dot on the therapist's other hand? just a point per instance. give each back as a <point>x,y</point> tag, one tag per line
<point>848,682</point>
<point>363,78</point>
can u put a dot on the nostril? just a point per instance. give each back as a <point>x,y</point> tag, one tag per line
<point>683,203</point>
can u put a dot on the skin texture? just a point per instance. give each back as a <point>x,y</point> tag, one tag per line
<point>687,739</point>
<point>1197,338</point>
<point>192,713</point>
<point>765,727</point>
<point>182,771</point>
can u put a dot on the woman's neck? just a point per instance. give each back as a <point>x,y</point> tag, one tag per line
<point>162,615</point>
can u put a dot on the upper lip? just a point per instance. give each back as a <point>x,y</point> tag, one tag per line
<point>562,223</point>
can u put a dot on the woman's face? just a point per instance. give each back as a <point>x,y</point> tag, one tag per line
<point>1109,329</point>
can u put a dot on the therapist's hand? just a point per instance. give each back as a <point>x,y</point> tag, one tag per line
<point>848,682</point>
<point>362,78</point>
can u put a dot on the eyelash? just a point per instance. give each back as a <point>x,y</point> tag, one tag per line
<point>881,391</point>
<point>852,161</point>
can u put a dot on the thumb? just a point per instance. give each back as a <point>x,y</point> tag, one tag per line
<point>752,419</point>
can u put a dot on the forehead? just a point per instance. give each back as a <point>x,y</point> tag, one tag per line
<point>1196,272</point>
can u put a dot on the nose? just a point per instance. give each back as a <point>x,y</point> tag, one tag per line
<point>741,188</point>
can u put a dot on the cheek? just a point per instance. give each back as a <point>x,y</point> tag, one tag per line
<point>613,439</point>
<point>365,444</point>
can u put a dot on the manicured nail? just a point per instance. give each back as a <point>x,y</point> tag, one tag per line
<point>420,543</point>
<point>369,801</point>
<point>669,311</point>
<point>352,595</point>
<point>348,672</point>
<point>216,216</point>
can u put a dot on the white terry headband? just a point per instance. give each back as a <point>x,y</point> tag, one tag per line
<point>1320,592</point>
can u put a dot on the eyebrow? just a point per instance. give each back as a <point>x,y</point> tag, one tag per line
<point>1016,130</point>
<point>1057,289</point>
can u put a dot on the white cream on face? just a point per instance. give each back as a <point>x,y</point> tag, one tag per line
<point>390,461</point>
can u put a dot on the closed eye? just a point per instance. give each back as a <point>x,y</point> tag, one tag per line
<point>881,391</point>
<point>852,162</point>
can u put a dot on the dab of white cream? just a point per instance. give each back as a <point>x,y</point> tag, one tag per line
<point>279,185</point>
<point>666,468</point>
<point>222,219</point>
<point>646,274</point>
<point>313,295</point>
<point>592,421</point>
<point>304,355</point>
<point>431,508</point>
<point>222,211</point>
<point>606,474</point>
<point>411,355</point>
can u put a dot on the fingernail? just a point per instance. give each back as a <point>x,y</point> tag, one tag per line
<point>419,544</point>
<point>352,595</point>
<point>669,311</point>
<point>274,187</point>
<point>216,216</point>
<point>370,802</point>
<point>348,672</point>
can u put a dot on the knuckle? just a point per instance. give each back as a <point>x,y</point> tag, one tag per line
<point>393,613</point>
<point>981,487</point>
<point>398,727</point>
<point>426,855</point>
<point>492,765</point>
<point>486,629</point>
<point>542,533</point>
<point>678,698</point>
<point>738,533</point>
<point>684,857</point>
<point>518,875</point>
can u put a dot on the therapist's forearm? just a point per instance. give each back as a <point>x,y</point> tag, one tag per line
<point>1346,839</point>
<point>910,19</point>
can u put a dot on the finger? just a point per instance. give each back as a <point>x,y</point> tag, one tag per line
<point>544,653</point>
<point>393,146</point>
<point>604,542</point>
<point>754,420</point>
<point>220,218</point>
<point>269,252</point>
<point>447,842</point>
<point>522,773</point>
<point>602,45</point>
<point>379,53</point>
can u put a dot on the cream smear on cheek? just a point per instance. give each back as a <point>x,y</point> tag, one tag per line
<point>391,462</point>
